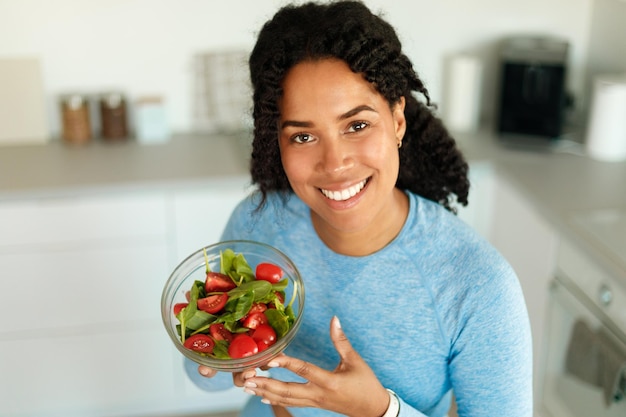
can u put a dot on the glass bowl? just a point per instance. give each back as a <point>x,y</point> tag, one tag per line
<point>193,268</point>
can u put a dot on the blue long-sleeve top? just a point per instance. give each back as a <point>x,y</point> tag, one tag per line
<point>438,310</point>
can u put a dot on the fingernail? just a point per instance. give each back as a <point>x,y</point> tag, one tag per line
<point>273,364</point>
<point>249,384</point>
<point>266,401</point>
<point>337,322</point>
<point>203,371</point>
<point>249,391</point>
<point>248,375</point>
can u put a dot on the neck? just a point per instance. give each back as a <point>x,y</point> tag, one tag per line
<point>378,234</point>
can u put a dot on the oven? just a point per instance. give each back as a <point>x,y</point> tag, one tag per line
<point>584,369</point>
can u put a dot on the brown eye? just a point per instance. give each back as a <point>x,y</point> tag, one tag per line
<point>302,138</point>
<point>357,126</point>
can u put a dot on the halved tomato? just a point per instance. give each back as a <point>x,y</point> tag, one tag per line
<point>268,272</point>
<point>216,281</point>
<point>178,307</point>
<point>213,303</point>
<point>242,346</point>
<point>257,308</point>
<point>219,332</point>
<point>253,320</point>
<point>200,343</point>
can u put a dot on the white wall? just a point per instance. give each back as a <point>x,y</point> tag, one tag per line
<point>607,42</point>
<point>147,46</point>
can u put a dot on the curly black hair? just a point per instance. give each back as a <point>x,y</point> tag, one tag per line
<point>430,163</point>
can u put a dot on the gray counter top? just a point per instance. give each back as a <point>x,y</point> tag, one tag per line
<point>565,187</point>
<point>558,183</point>
<point>59,169</point>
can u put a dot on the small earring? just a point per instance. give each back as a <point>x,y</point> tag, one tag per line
<point>399,143</point>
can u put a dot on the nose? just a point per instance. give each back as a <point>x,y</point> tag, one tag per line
<point>336,156</point>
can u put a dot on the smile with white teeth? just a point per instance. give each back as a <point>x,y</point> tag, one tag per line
<point>346,193</point>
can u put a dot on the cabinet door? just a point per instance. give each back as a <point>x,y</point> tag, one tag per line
<point>81,329</point>
<point>86,288</point>
<point>530,245</point>
<point>201,213</point>
<point>479,212</point>
<point>82,219</point>
<point>80,326</point>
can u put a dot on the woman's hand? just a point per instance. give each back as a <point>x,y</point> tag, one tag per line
<point>351,389</point>
<point>238,377</point>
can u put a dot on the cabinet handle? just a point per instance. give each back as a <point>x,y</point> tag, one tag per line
<point>605,295</point>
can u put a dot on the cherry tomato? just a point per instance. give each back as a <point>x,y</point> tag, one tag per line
<point>178,307</point>
<point>219,332</point>
<point>200,343</point>
<point>264,336</point>
<point>242,346</point>
<point>257,308</point>
<point>216,281</point>
<point>213,303</point>
<point>253,320</point>
<point>268,272</point>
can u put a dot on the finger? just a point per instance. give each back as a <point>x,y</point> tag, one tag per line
<point>239,378</point>
<point>305,370</point>
<point>275,392</point>
<point>339,339</point>
<point>206,371</point>
<point>265,367</point>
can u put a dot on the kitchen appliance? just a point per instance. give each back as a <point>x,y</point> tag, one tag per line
<point>532,95</point>
<point>584,374</point>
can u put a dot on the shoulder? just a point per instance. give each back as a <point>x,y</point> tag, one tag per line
<point>250,220</point>
<point>458,262</point>
<point>451,241</point>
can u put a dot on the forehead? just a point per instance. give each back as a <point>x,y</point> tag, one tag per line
<point>327,84</point>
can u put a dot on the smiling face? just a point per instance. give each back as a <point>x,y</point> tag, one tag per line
<point>339,148</point>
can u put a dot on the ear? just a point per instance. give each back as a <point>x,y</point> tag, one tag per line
<point>399,119</point>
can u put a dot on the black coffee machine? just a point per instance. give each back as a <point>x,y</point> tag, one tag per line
<point>532,96</point>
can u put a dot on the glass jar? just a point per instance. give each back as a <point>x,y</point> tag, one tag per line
<point>76,123</point>
<point>113,117</point>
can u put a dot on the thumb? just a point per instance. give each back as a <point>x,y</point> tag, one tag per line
<point>339,339</point>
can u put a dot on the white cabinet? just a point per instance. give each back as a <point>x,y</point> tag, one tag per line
<point>530,245</point>
<point>479,212</point>
<point>202,212</point>
<point>80,287</point>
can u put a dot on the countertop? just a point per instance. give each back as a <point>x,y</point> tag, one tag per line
<point>559,181</point>
<point>56,168</point>
<point>563,185</point>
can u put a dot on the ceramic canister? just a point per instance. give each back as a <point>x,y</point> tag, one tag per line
<point>606,133</point>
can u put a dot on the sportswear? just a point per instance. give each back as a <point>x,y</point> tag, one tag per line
<point>438,310</point>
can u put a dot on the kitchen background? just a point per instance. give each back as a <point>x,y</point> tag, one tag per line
<point>147,48</point>
<point>97,228</point>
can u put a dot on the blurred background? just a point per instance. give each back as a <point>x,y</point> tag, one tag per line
<point>124,145</point>
<point>151,48</point>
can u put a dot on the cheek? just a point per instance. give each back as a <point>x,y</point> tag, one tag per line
<point>294,166</point>
<point>384,153</point>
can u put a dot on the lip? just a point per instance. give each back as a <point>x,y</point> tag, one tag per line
<point>340,197</point>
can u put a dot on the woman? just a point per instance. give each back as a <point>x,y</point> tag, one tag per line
<point>357,184</point>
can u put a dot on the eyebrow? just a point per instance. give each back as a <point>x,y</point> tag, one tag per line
<point>346,115</point>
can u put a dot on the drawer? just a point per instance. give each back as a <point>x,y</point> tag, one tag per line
<point>95,374</point>
<point>132,371</point>
<point>78,219</point>
<point>81,290</point>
